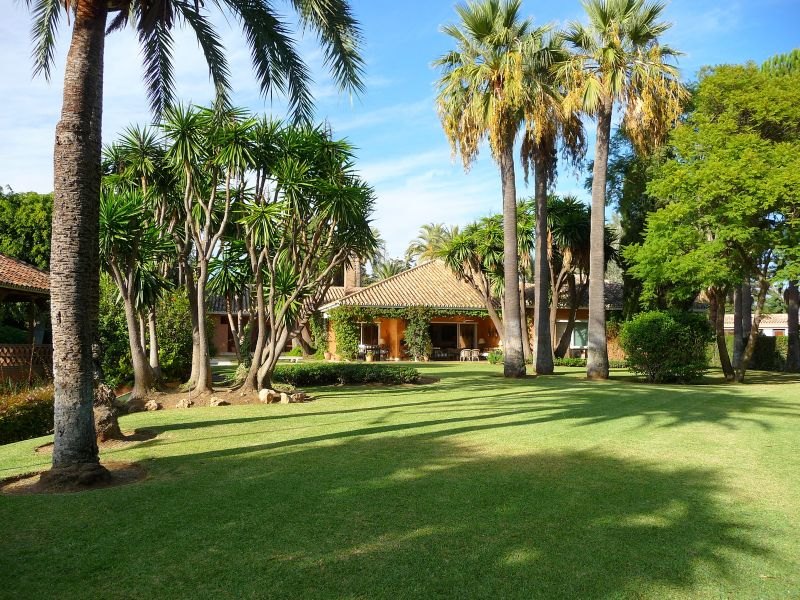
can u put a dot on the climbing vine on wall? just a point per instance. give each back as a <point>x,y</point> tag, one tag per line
<point>345,323</point>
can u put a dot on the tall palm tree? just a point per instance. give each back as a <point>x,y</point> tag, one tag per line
<point>75,264</point>
<point>482,95</point>
<point>388,268</point>
<point>432,237</point>
<point>617,60</point>
<point>549,122</point>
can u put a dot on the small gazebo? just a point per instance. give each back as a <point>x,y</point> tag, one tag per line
<point>24,283</point>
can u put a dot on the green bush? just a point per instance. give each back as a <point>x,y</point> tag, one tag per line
<point>569,361</point>
<point>309,374</point>
<point>12,335</point>
<point>112,331</point>
<point>26,414</point>
<point>769,353</point>
<point>667,345</point>
<point>174,330</point>
<point>297,351</point>
<point>495,357</point>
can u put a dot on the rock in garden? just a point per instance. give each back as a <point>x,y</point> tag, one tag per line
<point>105,424</point>
<point>219,402</point>
<point>285,398</point>
<point>264,395</point>
<point>152,405</point>
<point>185,403</point>
<point>300,397</point>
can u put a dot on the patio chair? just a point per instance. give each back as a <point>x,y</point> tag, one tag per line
<point>475,354</point>
<point>465,354</point>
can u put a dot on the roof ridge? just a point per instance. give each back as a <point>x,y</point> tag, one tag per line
<point>390,278</point>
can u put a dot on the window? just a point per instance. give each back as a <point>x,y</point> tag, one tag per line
<point>580,335</point>
<point>369,334</point>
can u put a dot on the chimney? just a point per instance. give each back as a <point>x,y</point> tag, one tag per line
<point>352,273</point>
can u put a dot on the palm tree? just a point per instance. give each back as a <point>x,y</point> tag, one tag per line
<point>548,124</point>
<point>482,94</point>
<point>432,237</point>
<point>618,60</point>
<point>74,266</point>
<point>388,268</point>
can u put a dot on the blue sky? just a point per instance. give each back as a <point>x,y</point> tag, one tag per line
<point>402,151</point>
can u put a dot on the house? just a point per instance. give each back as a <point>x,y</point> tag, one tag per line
<point>347,281</point>
<point>24,283</point>
<point>772,325</point>
<point>461,319</point>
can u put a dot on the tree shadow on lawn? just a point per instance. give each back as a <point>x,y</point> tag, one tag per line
<point>582,402</point>
<point>391,517</point>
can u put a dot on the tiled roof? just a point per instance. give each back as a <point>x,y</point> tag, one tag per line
<point>430,284</point>
<point>613,296</point>
<point>777,320</point>
<point>216,304</point>
<point>18,275</point>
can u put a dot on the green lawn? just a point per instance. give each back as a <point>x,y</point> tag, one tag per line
<point>473,487</point>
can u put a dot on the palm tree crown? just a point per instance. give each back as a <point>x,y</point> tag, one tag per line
<point>276,60</point>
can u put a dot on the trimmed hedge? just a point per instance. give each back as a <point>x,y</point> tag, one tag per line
<point>581,362</point>
<point>667,345</point>
<point>308,374</point>
<point>769,354</point>
<point>26,414</point>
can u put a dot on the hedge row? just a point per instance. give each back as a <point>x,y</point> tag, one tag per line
<point>25,415</point>
<point>769,354</point>
<point>320,373</point>
<point>581,362</point>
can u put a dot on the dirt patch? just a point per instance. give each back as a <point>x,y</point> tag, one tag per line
<point>118,473</point>
<point>128,440</point>
<point>170,399</point>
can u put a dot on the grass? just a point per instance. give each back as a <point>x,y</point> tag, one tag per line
<point>473,487</point>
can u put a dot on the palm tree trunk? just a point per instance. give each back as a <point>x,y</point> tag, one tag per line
<point>251,380</point>
<point>543,353</point>
<point>749,349</point>
<point>597,357</point>
<point>566,337</point>
<point>738,337</point>
<point>747,308</point>
<point>74,267</point>
<point>203,382</point>
<point>513,357</point>
<point>155,363</point>
<point>523,323</point>
<point>142,372</point>
<point>716,316</point>
<point>197,356</point>
<point>792,298</point>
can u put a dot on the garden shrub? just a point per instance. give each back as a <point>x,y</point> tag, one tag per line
<point>667,345</point>
<point>417,336</point>
<point>769,353</point>
<point>26,414</point>
<point>174,329</point>
<point>112,331</point>
<point>309,374</point>
<point>495,357</point>
<point>13,335</point>
<point>569,361</point>
<point>296,351</point>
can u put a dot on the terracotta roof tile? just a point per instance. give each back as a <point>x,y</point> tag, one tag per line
<point>777,320</point>
<point>430,284</point>
<point>18,275</point>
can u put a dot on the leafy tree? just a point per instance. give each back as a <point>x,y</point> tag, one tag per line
<point>75,268</point>
<point>618,60</point>
<point>230,277</point>
<point>130,250</point>
<point>730,194</point>
<point>307,215</point>
<point>25,226</point>
<point>482,94</point>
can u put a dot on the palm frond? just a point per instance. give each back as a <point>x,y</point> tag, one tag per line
<point>46,15</point>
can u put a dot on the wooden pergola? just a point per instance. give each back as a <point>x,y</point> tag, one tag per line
<point>24,283</point>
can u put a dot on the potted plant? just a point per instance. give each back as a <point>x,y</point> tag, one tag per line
<point>369,356</point>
